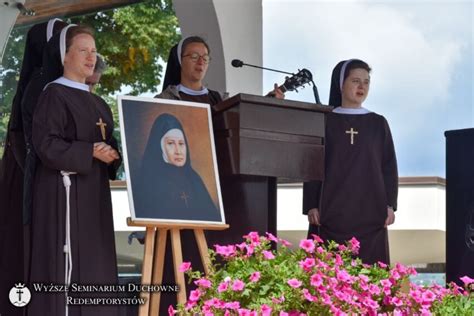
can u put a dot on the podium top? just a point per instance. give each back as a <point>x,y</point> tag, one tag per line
<point>267,101</point>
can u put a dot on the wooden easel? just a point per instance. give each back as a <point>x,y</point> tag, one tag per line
<point>154,256</point>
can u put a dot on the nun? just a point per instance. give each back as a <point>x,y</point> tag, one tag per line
<point>359,194</point>
<point>169,186</point>
<point>14,237</point>
<point>72,135</point>
<point>187,66</point>
<point>48,72</point>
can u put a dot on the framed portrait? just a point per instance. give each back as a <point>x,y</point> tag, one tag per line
<point>170,160</point>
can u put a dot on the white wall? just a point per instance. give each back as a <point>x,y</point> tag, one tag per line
<point>233,29</point>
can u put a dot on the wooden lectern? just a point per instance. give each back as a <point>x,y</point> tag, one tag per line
<point>259,140</point>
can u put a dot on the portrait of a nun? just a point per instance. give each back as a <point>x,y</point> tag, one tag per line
<point>168,187</point>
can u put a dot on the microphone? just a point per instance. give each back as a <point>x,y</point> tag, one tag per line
<point>304,76</point>
<point>237,63</point>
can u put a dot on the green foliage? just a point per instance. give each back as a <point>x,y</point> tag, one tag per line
<point>132,40</point>
<point>460,305</point>
<point>9,75</point>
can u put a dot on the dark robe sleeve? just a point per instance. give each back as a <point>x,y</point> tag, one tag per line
<point>54,148</point>
<point>115,165</point>
<point>389,167</point>
<point>311,195</point>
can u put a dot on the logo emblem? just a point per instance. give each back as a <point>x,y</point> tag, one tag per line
<point>19,295</point>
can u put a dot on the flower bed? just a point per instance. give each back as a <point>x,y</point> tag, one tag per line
<point>315,279</point>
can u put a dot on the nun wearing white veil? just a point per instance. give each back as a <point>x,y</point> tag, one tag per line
<point>359,195</point>
<point>72,131</point>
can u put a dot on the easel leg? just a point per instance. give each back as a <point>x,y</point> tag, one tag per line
<point>158,264</point>
<point>177,261</point>
<point>147,269</point>
<point>202,245</point>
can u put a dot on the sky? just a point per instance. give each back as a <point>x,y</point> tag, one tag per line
<point>421,54</point>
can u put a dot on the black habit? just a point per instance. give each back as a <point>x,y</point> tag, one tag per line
<point>361,180</point>
<point>14,236</point>
<point>361,176</point>
<point>64,131</point>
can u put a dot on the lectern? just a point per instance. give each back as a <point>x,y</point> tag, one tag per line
<point>259,140</point>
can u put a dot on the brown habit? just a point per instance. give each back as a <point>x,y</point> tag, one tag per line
<point>361,180</point>
<point>64,130</point>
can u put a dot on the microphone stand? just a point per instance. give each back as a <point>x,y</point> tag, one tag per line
<point>271,69</point>
<point>316,94</point>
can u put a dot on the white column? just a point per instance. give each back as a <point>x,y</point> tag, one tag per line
<point>233,30</point>
<point>8,15</point>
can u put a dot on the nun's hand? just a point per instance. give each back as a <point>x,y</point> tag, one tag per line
<point>313,217</point>
<point>390,216</point>
<point>104,152</point>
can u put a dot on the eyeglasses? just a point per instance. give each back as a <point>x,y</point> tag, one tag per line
<point>195,57</point>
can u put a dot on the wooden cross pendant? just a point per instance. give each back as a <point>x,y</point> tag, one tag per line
<point>102,126</point>
<point>352,132</point>
<point>185,197</point>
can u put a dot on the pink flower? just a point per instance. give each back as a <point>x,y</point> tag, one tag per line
<point>307,295</point>
<point>317,238</point>
<point>250,249</point>
<point>371,303</point>
<point>342,247</point>
<point>294,283</point>
<point>284,313</point>
<point>364,278</point>
<point>271,237</point>
<point>203,282</point>
<point>232,305</point>
<point>253,236</point>
<point>189,305</point>
<point>285,243</point>
<point>238,285</point>
<point>185,266</point>
<point>194,295</point>
<point>307,245</point>
<point>307,264</point>
<point>268,255</point>
<point>343,276</point>
<point>243,312</point>
<point>255,276</point>
<point>241,246</point>
<point>316,280</point>
<point>374,289</point>
<point>278,300</point>
<point>428,296</point>
<point>223,286</point>
<point>397,301</point>
<point>467,280</point>
<point>386,283</point>
<point>354,245</point>
<point>266,310</point>
<point>225,251</point>
<point>397,312</point>
<point>381,264</point>
<point>171,311</point>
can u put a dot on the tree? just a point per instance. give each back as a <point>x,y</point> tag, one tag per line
<point>132,40</point>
